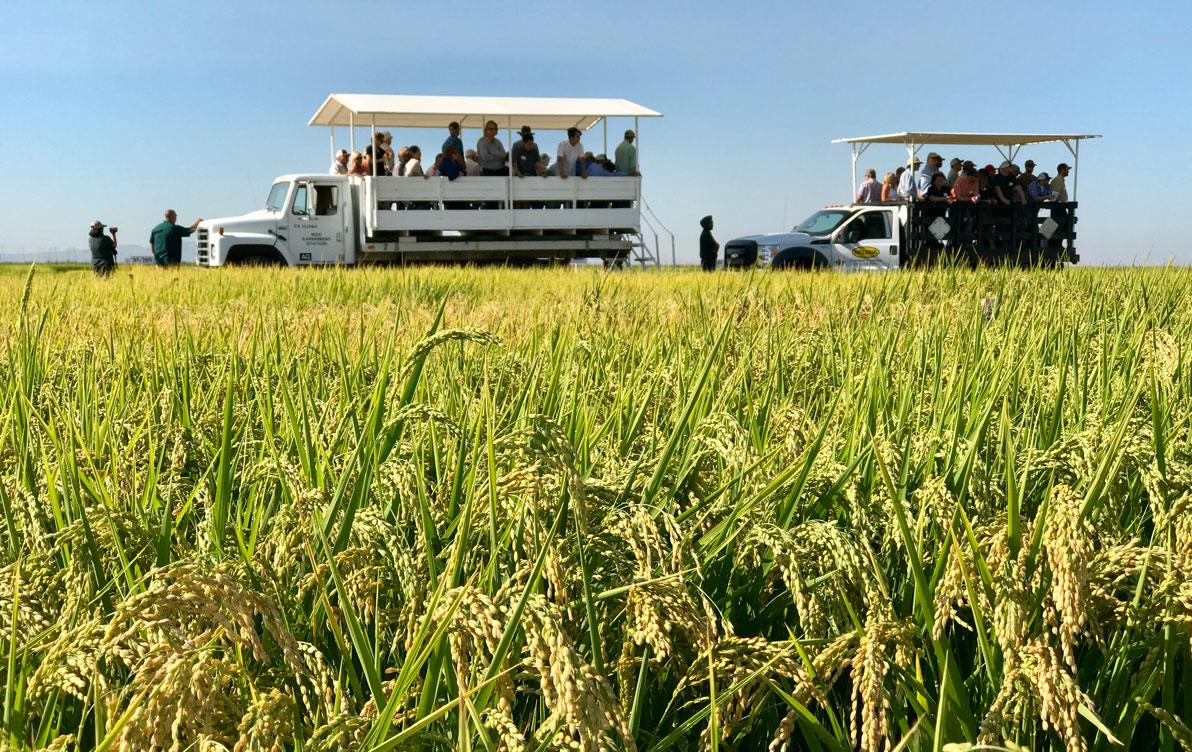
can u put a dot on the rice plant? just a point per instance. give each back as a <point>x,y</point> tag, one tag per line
<point>556,510</point>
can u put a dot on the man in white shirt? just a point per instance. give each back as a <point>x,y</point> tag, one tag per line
<point>934,164</point>
<point>340,165</point>
<point>1059,184</point>
<point>571,152</point>
<point>906,183</point>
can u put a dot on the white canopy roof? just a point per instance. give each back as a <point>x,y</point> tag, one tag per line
<point>412,111</point>
<point>974,139</point>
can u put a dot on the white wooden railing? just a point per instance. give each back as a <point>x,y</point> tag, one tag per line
<point>500,203</point>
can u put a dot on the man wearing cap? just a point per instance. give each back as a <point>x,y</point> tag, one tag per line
<point>453,140</point>
<point>1059,189</point>
<point>1040,189</point>
<point>954,171</point>
<point>906,181</point>
<point>1005,188</point>
<point>927,174</point>
<point>103,249</point>
<point>1027,177</point>
<point>626,155</point>
<point>1059,184</point>
<point>340,165</point>
<point>165,240</point>
<point>524,153</point>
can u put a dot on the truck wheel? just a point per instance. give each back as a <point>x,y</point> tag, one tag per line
<point>792,259</point>
<point>256,259</point>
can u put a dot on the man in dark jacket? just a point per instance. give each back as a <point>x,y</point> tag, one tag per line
<point>165,240</point>
<point>103,249</point>
<point>708,247</point>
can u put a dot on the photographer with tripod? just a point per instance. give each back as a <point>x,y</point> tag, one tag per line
<point>103,249</point>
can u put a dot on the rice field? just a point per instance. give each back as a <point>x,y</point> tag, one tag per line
<point>555,510</point>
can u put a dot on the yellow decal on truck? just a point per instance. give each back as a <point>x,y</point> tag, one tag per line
<point>865,251</point>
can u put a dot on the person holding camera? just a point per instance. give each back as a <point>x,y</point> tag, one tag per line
<point>103,249</point>
<point>165,240</point>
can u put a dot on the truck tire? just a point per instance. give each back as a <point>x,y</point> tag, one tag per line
<point>256,259</point>
<point>255,256</point>
<point>793,259</point>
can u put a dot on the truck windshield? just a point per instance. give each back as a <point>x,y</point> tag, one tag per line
<point>277,196</point>
<point>823,222</point>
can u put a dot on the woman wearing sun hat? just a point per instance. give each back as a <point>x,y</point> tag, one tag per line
<point>103,249</point>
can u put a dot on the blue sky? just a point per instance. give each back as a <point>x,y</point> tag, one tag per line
<point>120,110</point>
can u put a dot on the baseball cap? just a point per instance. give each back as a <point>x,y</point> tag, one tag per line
<point>956,161</point>
<point>917,161</point>
<point>1004,165</point>
<point>934,155</point>
<point>525,131</point>
<point>1043,176</point>
<point>1029,163</point>
<point>344,152</point>
<point>97,225</point>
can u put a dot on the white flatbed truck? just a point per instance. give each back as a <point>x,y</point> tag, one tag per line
<point>327,219</point>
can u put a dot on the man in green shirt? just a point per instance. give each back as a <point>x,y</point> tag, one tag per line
<point>626,155</point>
<point>165,240</point>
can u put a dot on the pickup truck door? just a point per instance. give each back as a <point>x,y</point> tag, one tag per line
<point>868,241</point>
<point>318,222</point>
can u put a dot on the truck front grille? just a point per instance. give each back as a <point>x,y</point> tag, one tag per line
<point>203,250</point>
<point>740,253</point>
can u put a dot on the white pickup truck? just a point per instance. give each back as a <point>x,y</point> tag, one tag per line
<point>882,237</point>
<point>915,232</point>
<point>322,219</point>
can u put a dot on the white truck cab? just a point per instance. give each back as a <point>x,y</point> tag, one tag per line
<point>307,219</point>
<point>850,238</point>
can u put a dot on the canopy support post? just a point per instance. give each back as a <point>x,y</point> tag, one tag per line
<point>352,130</point>
<point>373,143</point>
<point>1075,169</point>
<point>857,152</point>
<point>332,130</point>
<point>605,121</point>
<point>509,173</point>
<point>911,152</point>
<point>853,195</point>
<point>637,137</point>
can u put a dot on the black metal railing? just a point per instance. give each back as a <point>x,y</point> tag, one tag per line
<point>1035,234</point>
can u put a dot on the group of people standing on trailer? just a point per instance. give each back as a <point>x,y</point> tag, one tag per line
<point>523,159</point>
<point>1005,185</point>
